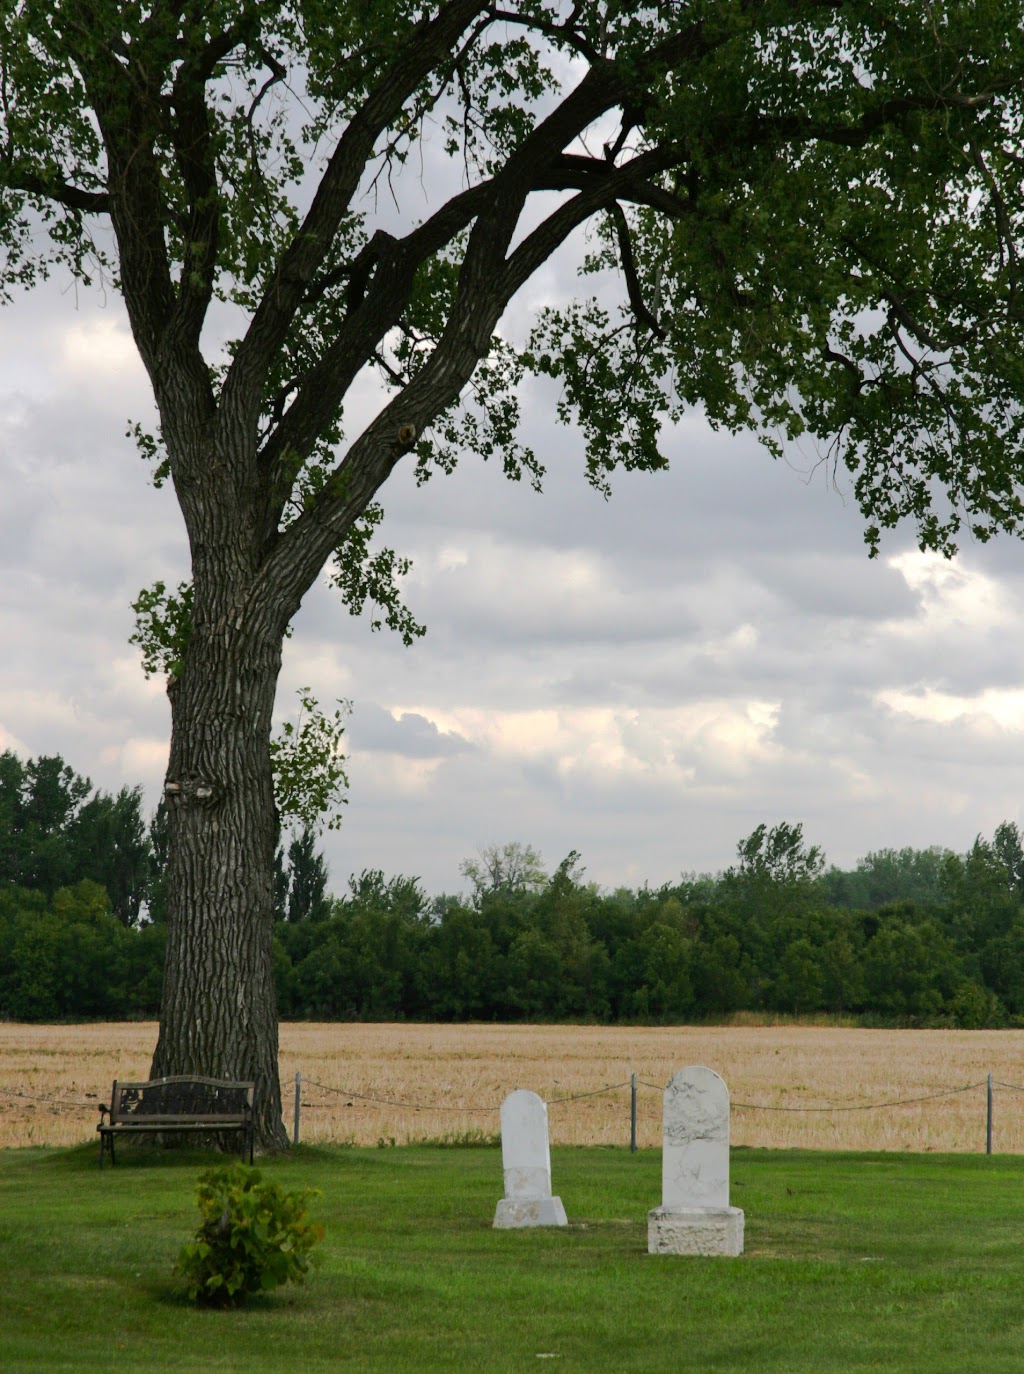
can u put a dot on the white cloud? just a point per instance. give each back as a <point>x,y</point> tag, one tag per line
<point>951,594</point>
<point>101,348</point>
<point>990,711</point>
<point>450,558</point>
<point>676,747</point>
<point>135,758</point>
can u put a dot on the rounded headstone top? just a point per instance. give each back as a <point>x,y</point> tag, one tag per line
<point>700,1078</point>
<point>523,1097</point>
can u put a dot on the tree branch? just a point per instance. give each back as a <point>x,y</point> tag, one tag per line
<point>874,121</point>
<point>290,281</point>
<point>601,191</point>
<point>561,33</point>
<point>73,197</point>
<point>641,311</point>
<point>1008,249</point>
<point>191,138</point>
<point>376,305</point>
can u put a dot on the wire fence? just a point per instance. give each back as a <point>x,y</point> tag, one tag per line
<point>302,1102</point>
<point>57,1101</point>
<point>634,1084</point>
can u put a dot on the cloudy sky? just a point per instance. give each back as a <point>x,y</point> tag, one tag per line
<point>643,679</point>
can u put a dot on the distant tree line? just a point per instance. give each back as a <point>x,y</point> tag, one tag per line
<point>908,936</point>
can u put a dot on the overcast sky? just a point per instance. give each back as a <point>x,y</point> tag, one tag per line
<point>643,679</point>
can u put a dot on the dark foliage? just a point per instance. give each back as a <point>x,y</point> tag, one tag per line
<point>56,830</point>
<point>908,936</point>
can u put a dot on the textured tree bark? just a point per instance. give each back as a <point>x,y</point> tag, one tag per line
<point>219,1015</point>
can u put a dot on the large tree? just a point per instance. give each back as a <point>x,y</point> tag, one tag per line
<point>805,216</point>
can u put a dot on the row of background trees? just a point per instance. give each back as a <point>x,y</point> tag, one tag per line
<point>908,936</point>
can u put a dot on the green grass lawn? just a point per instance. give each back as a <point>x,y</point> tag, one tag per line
<point>853,1262</point>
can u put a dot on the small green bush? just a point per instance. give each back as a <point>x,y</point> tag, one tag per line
<point>253,1237</point>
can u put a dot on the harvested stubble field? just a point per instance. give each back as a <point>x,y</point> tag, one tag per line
<point>53,1077</point>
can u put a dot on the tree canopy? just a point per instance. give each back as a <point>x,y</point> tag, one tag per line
<point>802,216</point>
<point>810,209</point>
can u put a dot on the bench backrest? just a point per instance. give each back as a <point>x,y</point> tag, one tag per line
<point>206,1100</point>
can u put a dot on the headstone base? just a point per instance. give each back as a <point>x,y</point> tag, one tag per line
<point>530,1211</point>
<point>695,1231</point>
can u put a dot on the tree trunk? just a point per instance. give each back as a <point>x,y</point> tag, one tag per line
<point>218,1014</point>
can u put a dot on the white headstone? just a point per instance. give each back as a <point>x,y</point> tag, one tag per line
<point>695,1217</point>
<point>695,1140</point>
<point>526,1161</point>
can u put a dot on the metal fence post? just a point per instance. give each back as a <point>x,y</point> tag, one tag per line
<point>988,1123</point>
<point>632,1113</point>
<point>298,1100</point>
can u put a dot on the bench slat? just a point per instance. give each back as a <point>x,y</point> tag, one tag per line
<point>184,1120</point>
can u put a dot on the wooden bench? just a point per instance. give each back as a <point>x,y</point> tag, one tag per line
<point>181,1103</point>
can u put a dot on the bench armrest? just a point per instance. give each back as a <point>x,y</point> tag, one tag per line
<point>103,1108</point>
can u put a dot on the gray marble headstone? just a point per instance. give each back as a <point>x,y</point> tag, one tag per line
<point>695,1140</point>
<point>695,1217</point>
<point>526,1161</point>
